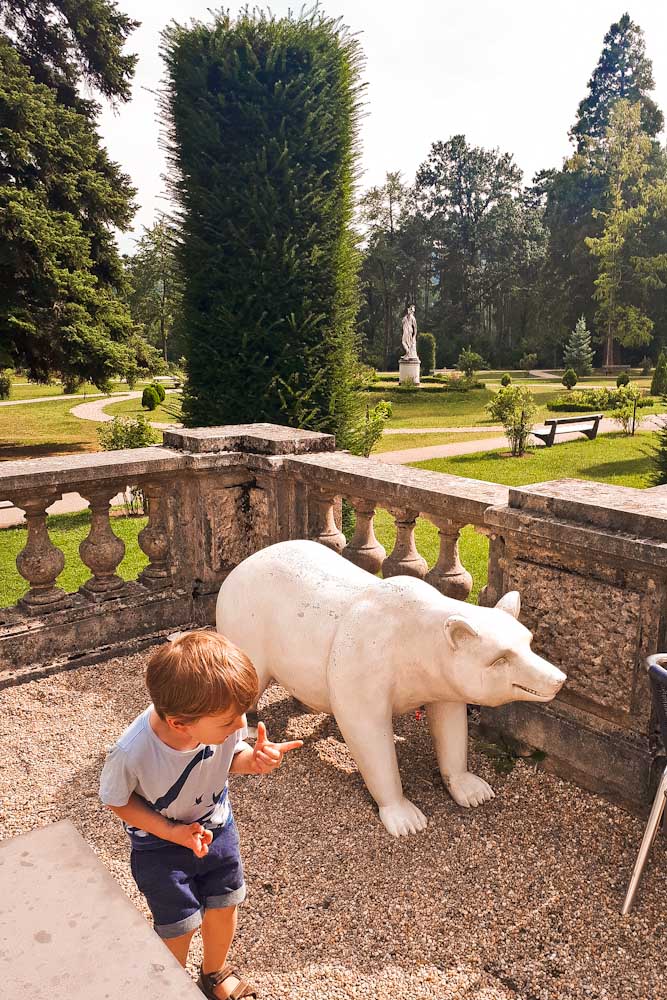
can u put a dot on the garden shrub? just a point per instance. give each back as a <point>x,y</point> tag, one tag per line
<point>469,362</point>
<point>262,117</point>
<point>128,432</point>
<point>160,390</point>
<point>426,352</point>
<point>527,362</point>
<point>149,398</point>
<point>570,379</point>
<point>659,380</point>
<point>646,365</point>
<point>5,385</point>
<point>605,398</point>
<point>70,384</point>
<point>515,407</point>
<point>506,379</point>
<point>622,379</point>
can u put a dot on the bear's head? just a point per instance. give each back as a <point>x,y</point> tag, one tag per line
<point>489,659</point>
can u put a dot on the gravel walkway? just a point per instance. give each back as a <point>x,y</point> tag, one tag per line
<point>518,900</point>
<point>73,395</point>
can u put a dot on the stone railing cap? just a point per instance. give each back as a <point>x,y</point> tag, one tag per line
<point>260,439</point>
<point>619,508</point>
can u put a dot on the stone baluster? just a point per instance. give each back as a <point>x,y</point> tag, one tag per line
<point>40,562</point>
<point>154,540</point>
<point>101,551</point>
<point>449,575</point>
<point>326,530</point>
<point>364,550</point>
<point>404,559</point>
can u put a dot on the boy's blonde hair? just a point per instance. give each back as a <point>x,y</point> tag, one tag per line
<point>200,673</point>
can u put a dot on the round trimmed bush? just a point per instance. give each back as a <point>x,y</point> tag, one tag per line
<point>622,379</point>
<point>426,352</point>
<point>506,379</point>
<point>5,385</point>
<point>160,390</point>
<point>570,378</point>
<point>150,399</point>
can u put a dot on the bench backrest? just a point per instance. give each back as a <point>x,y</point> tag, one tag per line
<point>582,419</point>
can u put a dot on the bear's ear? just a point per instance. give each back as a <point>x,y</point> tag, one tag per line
<point>458,630</point>
<point>511,603</point>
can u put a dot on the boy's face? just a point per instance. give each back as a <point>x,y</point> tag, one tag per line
<point>210,728</point>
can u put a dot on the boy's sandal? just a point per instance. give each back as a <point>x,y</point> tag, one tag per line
<point>209,980</point>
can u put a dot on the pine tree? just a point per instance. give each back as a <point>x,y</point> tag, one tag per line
<point>659,476</point>
<point>623,72</point>
<point>262,119</point>
<point>578,352</point>
<point>659,380</point>
<point>62,303</point>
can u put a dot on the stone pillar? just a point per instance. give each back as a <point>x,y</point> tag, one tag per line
<point>449,574</point>
<point>364,550</point>
<point>154,540</point>
<point>40,562</point>
<point>409,371</point>
<point>102,550</point>
<point>405,559</point>
<point>326,530</point>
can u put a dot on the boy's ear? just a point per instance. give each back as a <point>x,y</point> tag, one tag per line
<point>175,723</point>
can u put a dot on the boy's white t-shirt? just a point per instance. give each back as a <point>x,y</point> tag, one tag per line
<point>187,786</point>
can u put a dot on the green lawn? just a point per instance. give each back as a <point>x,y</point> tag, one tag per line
<point>44,429</point>
<point>167,412</point>
<point>611,458</point>
<point>67,531</point>
<point>32,390</point>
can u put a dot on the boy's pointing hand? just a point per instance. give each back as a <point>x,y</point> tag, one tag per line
<point>267,756</point>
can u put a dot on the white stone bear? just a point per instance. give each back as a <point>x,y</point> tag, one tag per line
<point>344,641</point>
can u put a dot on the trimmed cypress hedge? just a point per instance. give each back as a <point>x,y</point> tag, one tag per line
<point>262,122</point>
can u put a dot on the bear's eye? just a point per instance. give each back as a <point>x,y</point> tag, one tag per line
<point>500,662</point>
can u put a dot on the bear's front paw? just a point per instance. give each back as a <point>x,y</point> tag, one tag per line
<point>402,819</point>
<point>468,790</point>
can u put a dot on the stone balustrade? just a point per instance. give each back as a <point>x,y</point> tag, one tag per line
<point>589,560</point>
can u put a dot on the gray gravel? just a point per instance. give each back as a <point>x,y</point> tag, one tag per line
<point>519,899</point>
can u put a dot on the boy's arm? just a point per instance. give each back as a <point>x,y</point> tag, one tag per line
<point>137,813</point>
<point>264,757</point>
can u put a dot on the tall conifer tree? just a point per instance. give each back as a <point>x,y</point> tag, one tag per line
<point>262,117</point>
<point>61,197</point>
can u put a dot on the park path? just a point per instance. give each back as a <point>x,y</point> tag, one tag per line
<point>407,455</point>
<point>96,410</point>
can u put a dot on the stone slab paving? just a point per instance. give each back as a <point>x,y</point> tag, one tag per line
<point>517,900</point>
<point>69,932</point>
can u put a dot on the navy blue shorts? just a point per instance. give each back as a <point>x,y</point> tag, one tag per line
<point>179,886</point>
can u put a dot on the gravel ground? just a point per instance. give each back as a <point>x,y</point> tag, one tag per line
<point>519,899</point>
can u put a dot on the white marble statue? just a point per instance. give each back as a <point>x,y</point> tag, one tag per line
<point>344,641</point>
<point>409,338</point>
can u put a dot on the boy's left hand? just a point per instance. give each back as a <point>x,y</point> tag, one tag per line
<point>267,756</point>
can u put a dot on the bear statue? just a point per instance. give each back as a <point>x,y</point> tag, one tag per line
<point>346,642</point>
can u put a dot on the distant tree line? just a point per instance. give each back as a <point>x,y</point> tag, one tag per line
<point>509,267</point>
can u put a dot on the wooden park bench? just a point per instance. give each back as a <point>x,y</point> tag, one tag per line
<point>587,425</point>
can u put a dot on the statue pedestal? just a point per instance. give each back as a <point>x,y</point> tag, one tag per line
<point>409,371</point>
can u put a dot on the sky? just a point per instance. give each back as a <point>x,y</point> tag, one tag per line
<point>505,74</point>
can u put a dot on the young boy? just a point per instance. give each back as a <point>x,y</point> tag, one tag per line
<point>166,778</point>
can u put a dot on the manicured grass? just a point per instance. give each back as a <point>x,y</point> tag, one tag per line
<point>396,442</point>
<point>44,429</point>
<point>165,413</point>
<point>473,548</point>
<point>67,531</point>
<point>611,458</point>
<point>31,390</point>
<point>443,409</point>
